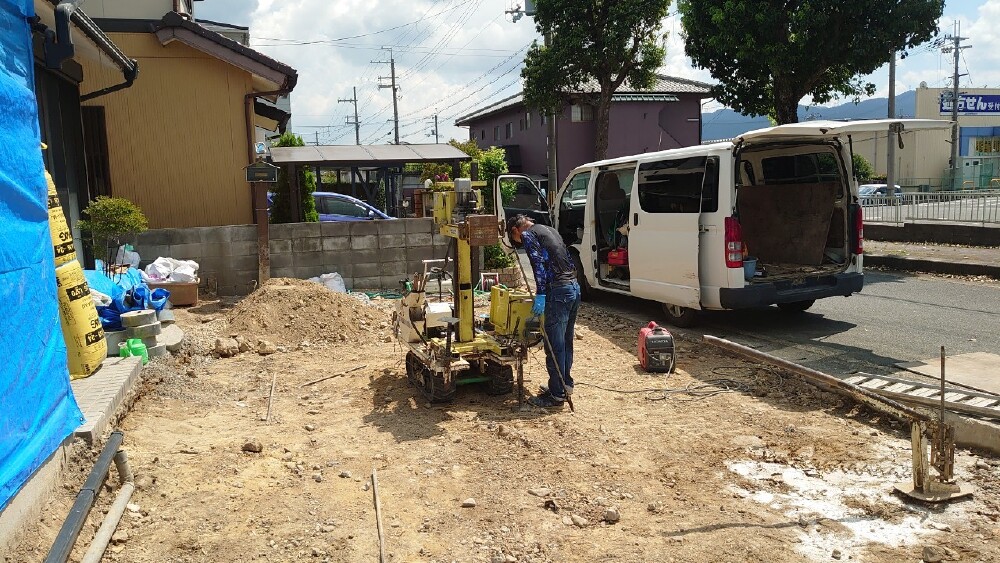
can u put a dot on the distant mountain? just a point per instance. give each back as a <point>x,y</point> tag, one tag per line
<point>726,123</point>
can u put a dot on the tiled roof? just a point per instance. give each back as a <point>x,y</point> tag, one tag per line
<point>660,92</point>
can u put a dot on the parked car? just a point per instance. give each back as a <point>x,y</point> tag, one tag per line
<point>339,207</point>
<point>873,194</point>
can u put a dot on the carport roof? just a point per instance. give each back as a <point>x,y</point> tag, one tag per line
<point>366,155</point>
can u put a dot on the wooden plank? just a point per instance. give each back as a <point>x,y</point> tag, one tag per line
<point>857,379</point>
<point>926,392</point>
<point>934,385</point>
<point>875,384</point>
<point>953,397</point>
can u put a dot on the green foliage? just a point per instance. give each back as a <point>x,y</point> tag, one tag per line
<point>596,46</point>
<point>863,170</point>
<point>495,258</point>
<point>281,206</point>
<point>768,56</point>
<point>109,221</point>
<point>492,163</point>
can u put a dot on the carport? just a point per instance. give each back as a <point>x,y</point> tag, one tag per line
<point>369,167</point>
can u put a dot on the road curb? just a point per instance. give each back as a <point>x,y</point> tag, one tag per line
<point>932,266</point>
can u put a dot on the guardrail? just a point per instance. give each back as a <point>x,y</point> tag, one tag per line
<point>981,206</point>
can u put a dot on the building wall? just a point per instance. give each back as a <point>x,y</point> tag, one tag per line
<point>368,254</point>
<point>128,9</point>
<point>925,155</point>
<point>635,128</point>
<point>177,137</point>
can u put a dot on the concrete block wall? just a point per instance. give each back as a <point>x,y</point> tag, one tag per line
<point>368,254</point>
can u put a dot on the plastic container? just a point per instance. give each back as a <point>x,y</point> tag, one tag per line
<point>749,267</point>
<point>137,348</point>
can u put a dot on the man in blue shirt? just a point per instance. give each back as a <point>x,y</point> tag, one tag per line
<point>557,294</point>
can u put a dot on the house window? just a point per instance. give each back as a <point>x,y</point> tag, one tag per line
<point>543,118</point>
<point>482,134</point>
<point>581,112</point>
<point>496,133</point>
<point>527,120</point>
<point>508,130</point>
<point>521,124</point>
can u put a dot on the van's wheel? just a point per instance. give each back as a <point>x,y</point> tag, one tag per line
<point>796,306</point>
<point>683,317</point>
<point>581,278</point>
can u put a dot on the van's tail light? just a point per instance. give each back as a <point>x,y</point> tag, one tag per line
<point>734,243</point>
<point>859,230</point>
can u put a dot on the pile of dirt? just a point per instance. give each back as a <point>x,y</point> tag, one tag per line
<point>292,312</point>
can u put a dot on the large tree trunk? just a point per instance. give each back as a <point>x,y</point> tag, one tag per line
<point>603,118</point>
<point>786,105</point>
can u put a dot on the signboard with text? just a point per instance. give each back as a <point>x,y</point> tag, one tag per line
<point>972,104</point>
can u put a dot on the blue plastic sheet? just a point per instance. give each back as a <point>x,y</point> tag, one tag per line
<point>37,409</point>
<point>127,292</point>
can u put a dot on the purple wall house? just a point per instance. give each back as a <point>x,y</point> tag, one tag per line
<point>664,117</point>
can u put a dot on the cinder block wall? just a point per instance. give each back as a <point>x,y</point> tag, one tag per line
<point>368,254</point>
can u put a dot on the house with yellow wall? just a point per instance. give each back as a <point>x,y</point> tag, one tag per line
<point>178,139</point>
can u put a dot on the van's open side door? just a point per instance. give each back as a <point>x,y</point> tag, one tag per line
<point>663,240</point>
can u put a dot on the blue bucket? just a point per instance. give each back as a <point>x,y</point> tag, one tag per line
<point>749,267</point>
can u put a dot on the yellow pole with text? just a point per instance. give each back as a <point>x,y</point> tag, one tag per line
<point>463,265</point>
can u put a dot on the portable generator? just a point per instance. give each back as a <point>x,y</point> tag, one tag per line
<point>656,349</point>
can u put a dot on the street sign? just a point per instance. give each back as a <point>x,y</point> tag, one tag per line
<point>261,171</point>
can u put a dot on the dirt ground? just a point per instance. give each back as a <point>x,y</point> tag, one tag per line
<point>722,461</point>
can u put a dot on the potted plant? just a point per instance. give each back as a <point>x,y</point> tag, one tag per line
<point>112,224</point>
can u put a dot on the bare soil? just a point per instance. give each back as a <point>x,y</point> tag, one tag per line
<point>722,461</point>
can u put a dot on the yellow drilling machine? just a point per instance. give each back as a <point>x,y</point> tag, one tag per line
<point>436,320</point>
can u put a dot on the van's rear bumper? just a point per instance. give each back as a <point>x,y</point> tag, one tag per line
<point>761,294</point>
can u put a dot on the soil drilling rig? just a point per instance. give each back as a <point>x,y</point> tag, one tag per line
<point>447,345</point>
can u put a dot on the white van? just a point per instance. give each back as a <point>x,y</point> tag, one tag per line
<point>771,217</point>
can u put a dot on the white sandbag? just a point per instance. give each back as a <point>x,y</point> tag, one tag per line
<point>127,256</point>
<point>171,270</point>
<point>333,281</point>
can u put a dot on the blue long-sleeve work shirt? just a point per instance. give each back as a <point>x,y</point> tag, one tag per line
<point>550,259</point>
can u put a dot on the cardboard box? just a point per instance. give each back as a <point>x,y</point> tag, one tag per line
<point>181,294</point>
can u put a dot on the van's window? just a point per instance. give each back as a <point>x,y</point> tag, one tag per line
<point>686,185</point>
<point>811,168</point>
<point>575,196</point>
<point>334,206</point>
<point>526,196</point>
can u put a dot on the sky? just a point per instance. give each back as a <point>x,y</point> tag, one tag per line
<point>455,56</point>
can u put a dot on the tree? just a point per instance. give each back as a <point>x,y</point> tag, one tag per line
<point>863,170</point>
<point>281,206</point>
<point>595,47</point>
<point>769,55</point>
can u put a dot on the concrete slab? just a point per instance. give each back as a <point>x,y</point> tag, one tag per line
<point>976,370</point>
<point>103,394</point>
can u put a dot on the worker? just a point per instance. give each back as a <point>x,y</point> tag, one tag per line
<point>557,295</point>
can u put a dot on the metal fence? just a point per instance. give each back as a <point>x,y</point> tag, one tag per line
<point>981,206</point>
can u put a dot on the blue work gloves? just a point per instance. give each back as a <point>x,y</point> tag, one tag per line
<point>538,307</point>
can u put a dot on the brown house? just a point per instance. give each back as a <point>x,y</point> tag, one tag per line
<point>178,139</point>
<point>666,116</point>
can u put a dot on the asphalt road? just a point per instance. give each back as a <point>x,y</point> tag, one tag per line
<point>896,318</point>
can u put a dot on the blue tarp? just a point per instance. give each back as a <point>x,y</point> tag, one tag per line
<point>37,408</point>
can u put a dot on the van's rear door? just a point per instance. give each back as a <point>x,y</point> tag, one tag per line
<point>663,239</point>
<point>834,129</point>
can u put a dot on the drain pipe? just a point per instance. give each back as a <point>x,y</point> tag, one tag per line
<point>64,542</point>
<point>103,536</point>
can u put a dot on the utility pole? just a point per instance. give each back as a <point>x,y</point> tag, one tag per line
<point>434,132</point>
<point>355,123</point>
<point>956,49</point>
<point>317,137</point>
<point>890,153</point>
<point>392,77</point>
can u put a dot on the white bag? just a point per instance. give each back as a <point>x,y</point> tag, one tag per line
<point>333,281</point>
<point>171,270</point>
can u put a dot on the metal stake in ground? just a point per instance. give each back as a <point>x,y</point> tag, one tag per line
<point>378,517</point>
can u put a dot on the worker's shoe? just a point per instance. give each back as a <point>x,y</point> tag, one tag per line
<point>544,390</point>
<point>546,400</point>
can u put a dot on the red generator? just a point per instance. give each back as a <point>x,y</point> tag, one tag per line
<point>618,257</point>
<point>656,349</point>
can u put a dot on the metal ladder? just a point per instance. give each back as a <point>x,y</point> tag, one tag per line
<point>928,394</point>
